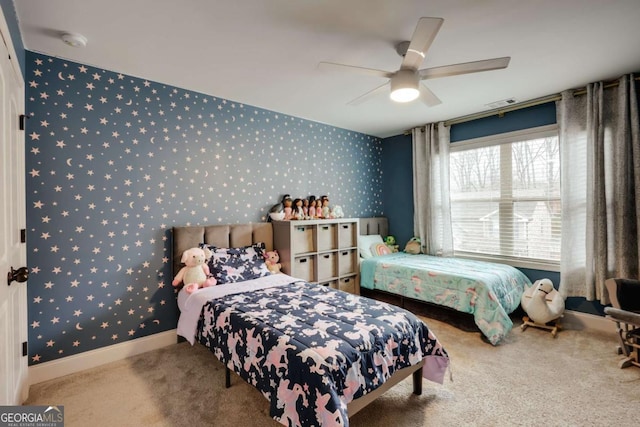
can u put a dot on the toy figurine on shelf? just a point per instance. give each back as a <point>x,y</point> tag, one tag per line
<point>312,207</point>
<point>298,213</point>
<point>305,208</point>
<point>276,213</point>
<point>288,209</point>
<point>326,210</point>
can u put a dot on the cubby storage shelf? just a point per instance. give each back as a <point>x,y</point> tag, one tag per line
<point>321,251</point>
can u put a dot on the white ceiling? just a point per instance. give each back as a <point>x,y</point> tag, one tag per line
<point>265,52</point>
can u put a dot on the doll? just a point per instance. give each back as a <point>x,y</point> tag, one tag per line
<point>312,207</point>
<point>319,207</point>
<point>326,211</point>
<point>279,207</point>
<point>305,208</point>
<point>298,213</point>
<point>276,213</point>
<point>288,210</point>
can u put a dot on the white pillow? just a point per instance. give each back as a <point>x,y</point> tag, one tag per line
<point>365,243</point>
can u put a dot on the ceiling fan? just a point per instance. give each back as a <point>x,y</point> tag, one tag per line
<point>405,82</point>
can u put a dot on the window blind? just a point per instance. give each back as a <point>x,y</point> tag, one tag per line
<point>505,196</point>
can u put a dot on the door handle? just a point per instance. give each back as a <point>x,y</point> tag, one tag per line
<point>20,275</point>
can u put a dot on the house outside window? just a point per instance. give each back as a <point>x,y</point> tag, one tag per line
<point>505,198</point>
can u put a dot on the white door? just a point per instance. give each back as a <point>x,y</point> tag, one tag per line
<point>14,387</point>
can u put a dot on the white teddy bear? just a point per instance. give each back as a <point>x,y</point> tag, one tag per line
<point>195,274</point>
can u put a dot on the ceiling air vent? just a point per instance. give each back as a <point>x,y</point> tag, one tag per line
<point>502,103</point>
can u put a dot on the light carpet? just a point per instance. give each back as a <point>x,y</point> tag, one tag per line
<point>530,379</point>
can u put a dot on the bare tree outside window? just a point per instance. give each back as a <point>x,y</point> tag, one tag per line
<point>505,199</point>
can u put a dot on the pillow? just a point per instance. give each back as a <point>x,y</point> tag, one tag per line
<point>380,249</point>
<point>365,242</point>
<point>230,265</point>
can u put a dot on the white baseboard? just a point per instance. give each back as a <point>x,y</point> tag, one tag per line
<point>574,320</point>
<point>93,358</point>
<point>577,320</point>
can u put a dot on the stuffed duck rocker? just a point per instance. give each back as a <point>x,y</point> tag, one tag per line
<point>542,303</point>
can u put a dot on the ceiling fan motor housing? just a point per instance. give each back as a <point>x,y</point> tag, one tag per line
<point>402,47</point>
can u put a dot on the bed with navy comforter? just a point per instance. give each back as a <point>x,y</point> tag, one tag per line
<point>489,291</point>
<point>309,349</point>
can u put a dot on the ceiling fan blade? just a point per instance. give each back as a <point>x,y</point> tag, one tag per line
<point>464,68</point>
<point>354,69</point>
<point>423,36</point>
<point>368,95</point>
<point>428,97</point>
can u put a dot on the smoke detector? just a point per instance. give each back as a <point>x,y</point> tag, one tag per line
<point>74,39</point>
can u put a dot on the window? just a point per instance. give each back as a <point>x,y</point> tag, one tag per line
<point>505,197</point>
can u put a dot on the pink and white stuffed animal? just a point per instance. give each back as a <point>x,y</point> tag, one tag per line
<point>195,273</point>
<point>272,260</point>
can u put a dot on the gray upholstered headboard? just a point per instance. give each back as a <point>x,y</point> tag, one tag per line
<point>236,235</point>
<point>377,225</point>
<point>223,236</point>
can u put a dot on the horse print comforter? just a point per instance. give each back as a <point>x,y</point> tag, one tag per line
<point>310,349</point>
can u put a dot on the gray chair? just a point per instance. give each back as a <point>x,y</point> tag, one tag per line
<point>625,312</point>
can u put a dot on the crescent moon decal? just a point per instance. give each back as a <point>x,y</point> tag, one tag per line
<point>131,205</point>
<point>119,267</point>
<point>78,327</point>
<point>206,174</point>
<point>152,139</point>
<point>130,102</point>
<point>60,76</point>
<point>69,161</point>
<point>233,118</point>
<point>156,321</point>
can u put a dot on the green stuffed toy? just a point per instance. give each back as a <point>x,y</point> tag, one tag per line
<point>390,241</point>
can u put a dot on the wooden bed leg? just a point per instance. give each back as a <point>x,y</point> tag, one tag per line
<point>417,382</point>
<point>227,377</point>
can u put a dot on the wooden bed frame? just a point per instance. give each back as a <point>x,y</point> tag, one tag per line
<point>236,235</point>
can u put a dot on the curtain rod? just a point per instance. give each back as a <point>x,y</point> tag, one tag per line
<point>502,111</point>
<point>531,103</point>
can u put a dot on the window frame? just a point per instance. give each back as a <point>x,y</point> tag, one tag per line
<point>500,140</point>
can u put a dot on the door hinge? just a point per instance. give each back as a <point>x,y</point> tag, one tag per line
<point>22,121</point>
<point>25,349</point>
<point>23,235</point>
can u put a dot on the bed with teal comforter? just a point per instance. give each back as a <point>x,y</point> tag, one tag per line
<point>488,291</point>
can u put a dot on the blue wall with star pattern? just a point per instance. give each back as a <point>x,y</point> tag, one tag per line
<point>114,161</point>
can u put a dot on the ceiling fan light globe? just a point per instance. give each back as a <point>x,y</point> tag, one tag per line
<point>406,94</point>
<point>404,86</point>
